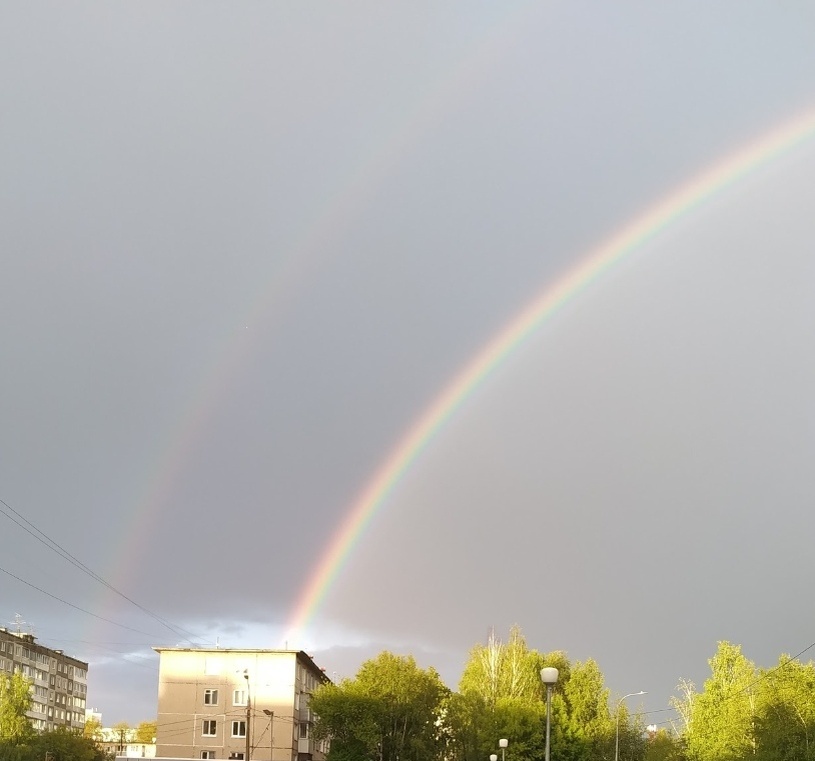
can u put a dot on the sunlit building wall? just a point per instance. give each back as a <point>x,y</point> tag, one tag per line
<point>211,701</point>
<point>59,683</point>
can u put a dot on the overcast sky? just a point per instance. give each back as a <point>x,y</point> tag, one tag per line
<point>245,245</point>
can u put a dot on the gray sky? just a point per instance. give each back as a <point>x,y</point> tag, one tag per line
<point>245,245</point>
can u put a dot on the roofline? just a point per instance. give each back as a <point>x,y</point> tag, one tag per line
<point>299,653</point>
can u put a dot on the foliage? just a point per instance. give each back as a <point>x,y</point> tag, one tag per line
<point>389,711</point>
<point>785,712</point>
<point>723,715</point>
<point>60,744</point>
<point>93,728</point>
<point>122,731</point>
<point>146,732</point>
<point>15,700</point>
<point>501,695</point>
<point>664,746</point>
<point>497,670</point>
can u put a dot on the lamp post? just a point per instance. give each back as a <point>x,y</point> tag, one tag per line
<point>502,744</point>
<point>248,755</point>
<point>270,714</point>
<point>619,703</point>
<point>493,757</point>
<point>549,678</point>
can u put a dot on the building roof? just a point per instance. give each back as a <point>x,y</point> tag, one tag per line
<point>300,654</point>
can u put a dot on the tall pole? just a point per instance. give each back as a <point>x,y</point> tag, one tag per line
<point>619,703</point>
<point>502,744</point>
<point>549,678</point>
<point>548,714</point>
<point>248,755</point>
<point>270,714</point>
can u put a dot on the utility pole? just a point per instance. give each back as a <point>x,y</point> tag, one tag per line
<point>270,714</point>
<point>248,755</point>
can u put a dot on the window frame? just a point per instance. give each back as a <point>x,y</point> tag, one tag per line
<point>244,697</point>
<point>211,696</point>
<point>238,724</point>
<point>209,724</point>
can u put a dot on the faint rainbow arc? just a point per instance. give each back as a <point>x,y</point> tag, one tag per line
<point>186,429</point>
<point>626,240</point>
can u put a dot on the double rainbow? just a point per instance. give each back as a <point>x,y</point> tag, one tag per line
<point>622,243</point>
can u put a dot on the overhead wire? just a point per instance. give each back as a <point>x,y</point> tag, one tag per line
<point>71,605</point>
<point>55,547</point>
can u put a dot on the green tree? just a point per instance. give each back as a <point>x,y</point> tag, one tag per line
<point>722,717</point>
<point>390,711</point>
<point>503,670</point>
<point>61,744</point>
<point>122,732</point>
<point>663,745</point>
<point>15,700</point>
<point>93,728</point>
<point>785,720</point>
<point>499,696</point>
<point>146,732</point>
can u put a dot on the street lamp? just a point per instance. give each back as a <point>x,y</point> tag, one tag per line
<point>270,714</point>
<point>502,744</point>
<point>619,703</point>
<point>248,755</point>
<point>493,757</point>
<point>549,678</point>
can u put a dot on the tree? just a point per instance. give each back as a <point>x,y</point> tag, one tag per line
<point>499,696</point>
<point>785,712</point>
<point>61,744</point>
<point>93,728</point>
<point>391,710</point>
<point>722,723</point>
<point>15,701</point>
<point>146,732</point>
<point>586,721</point>
<point>498,670</point>
<point>123,732</point>
<point>662,745</point>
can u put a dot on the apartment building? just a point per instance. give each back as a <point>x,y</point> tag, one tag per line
<point>237,704</point>
<point>59,682</point>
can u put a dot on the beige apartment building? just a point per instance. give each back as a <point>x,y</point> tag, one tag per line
<point>59,683</point>
<point>237,704</point>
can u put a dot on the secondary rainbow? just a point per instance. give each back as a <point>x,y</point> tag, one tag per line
<point>623,242</point>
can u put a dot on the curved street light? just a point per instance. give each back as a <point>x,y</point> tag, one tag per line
<point>619,703</point>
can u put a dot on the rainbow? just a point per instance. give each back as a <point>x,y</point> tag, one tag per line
<point>592,266</point>
<point>304,256</point>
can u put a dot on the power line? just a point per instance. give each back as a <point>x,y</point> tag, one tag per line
<point>75,607</point>
<point>55,547</point>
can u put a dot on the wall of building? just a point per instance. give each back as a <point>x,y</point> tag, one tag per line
<point>59,681</point>
<point>202,704</point>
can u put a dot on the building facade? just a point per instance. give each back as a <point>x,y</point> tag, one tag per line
<point>59,682</point>
<point>237,704</point>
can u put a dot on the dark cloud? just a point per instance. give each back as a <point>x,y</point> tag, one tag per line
<point>244,249</point>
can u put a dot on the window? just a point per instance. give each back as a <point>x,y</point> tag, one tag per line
<point>207,754</point>
<point>209,728</point>
<point>210,697</point>
<point>238,756</point>
<point>238,729</point>
<point>239,698</point>
<point>303,731</point>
